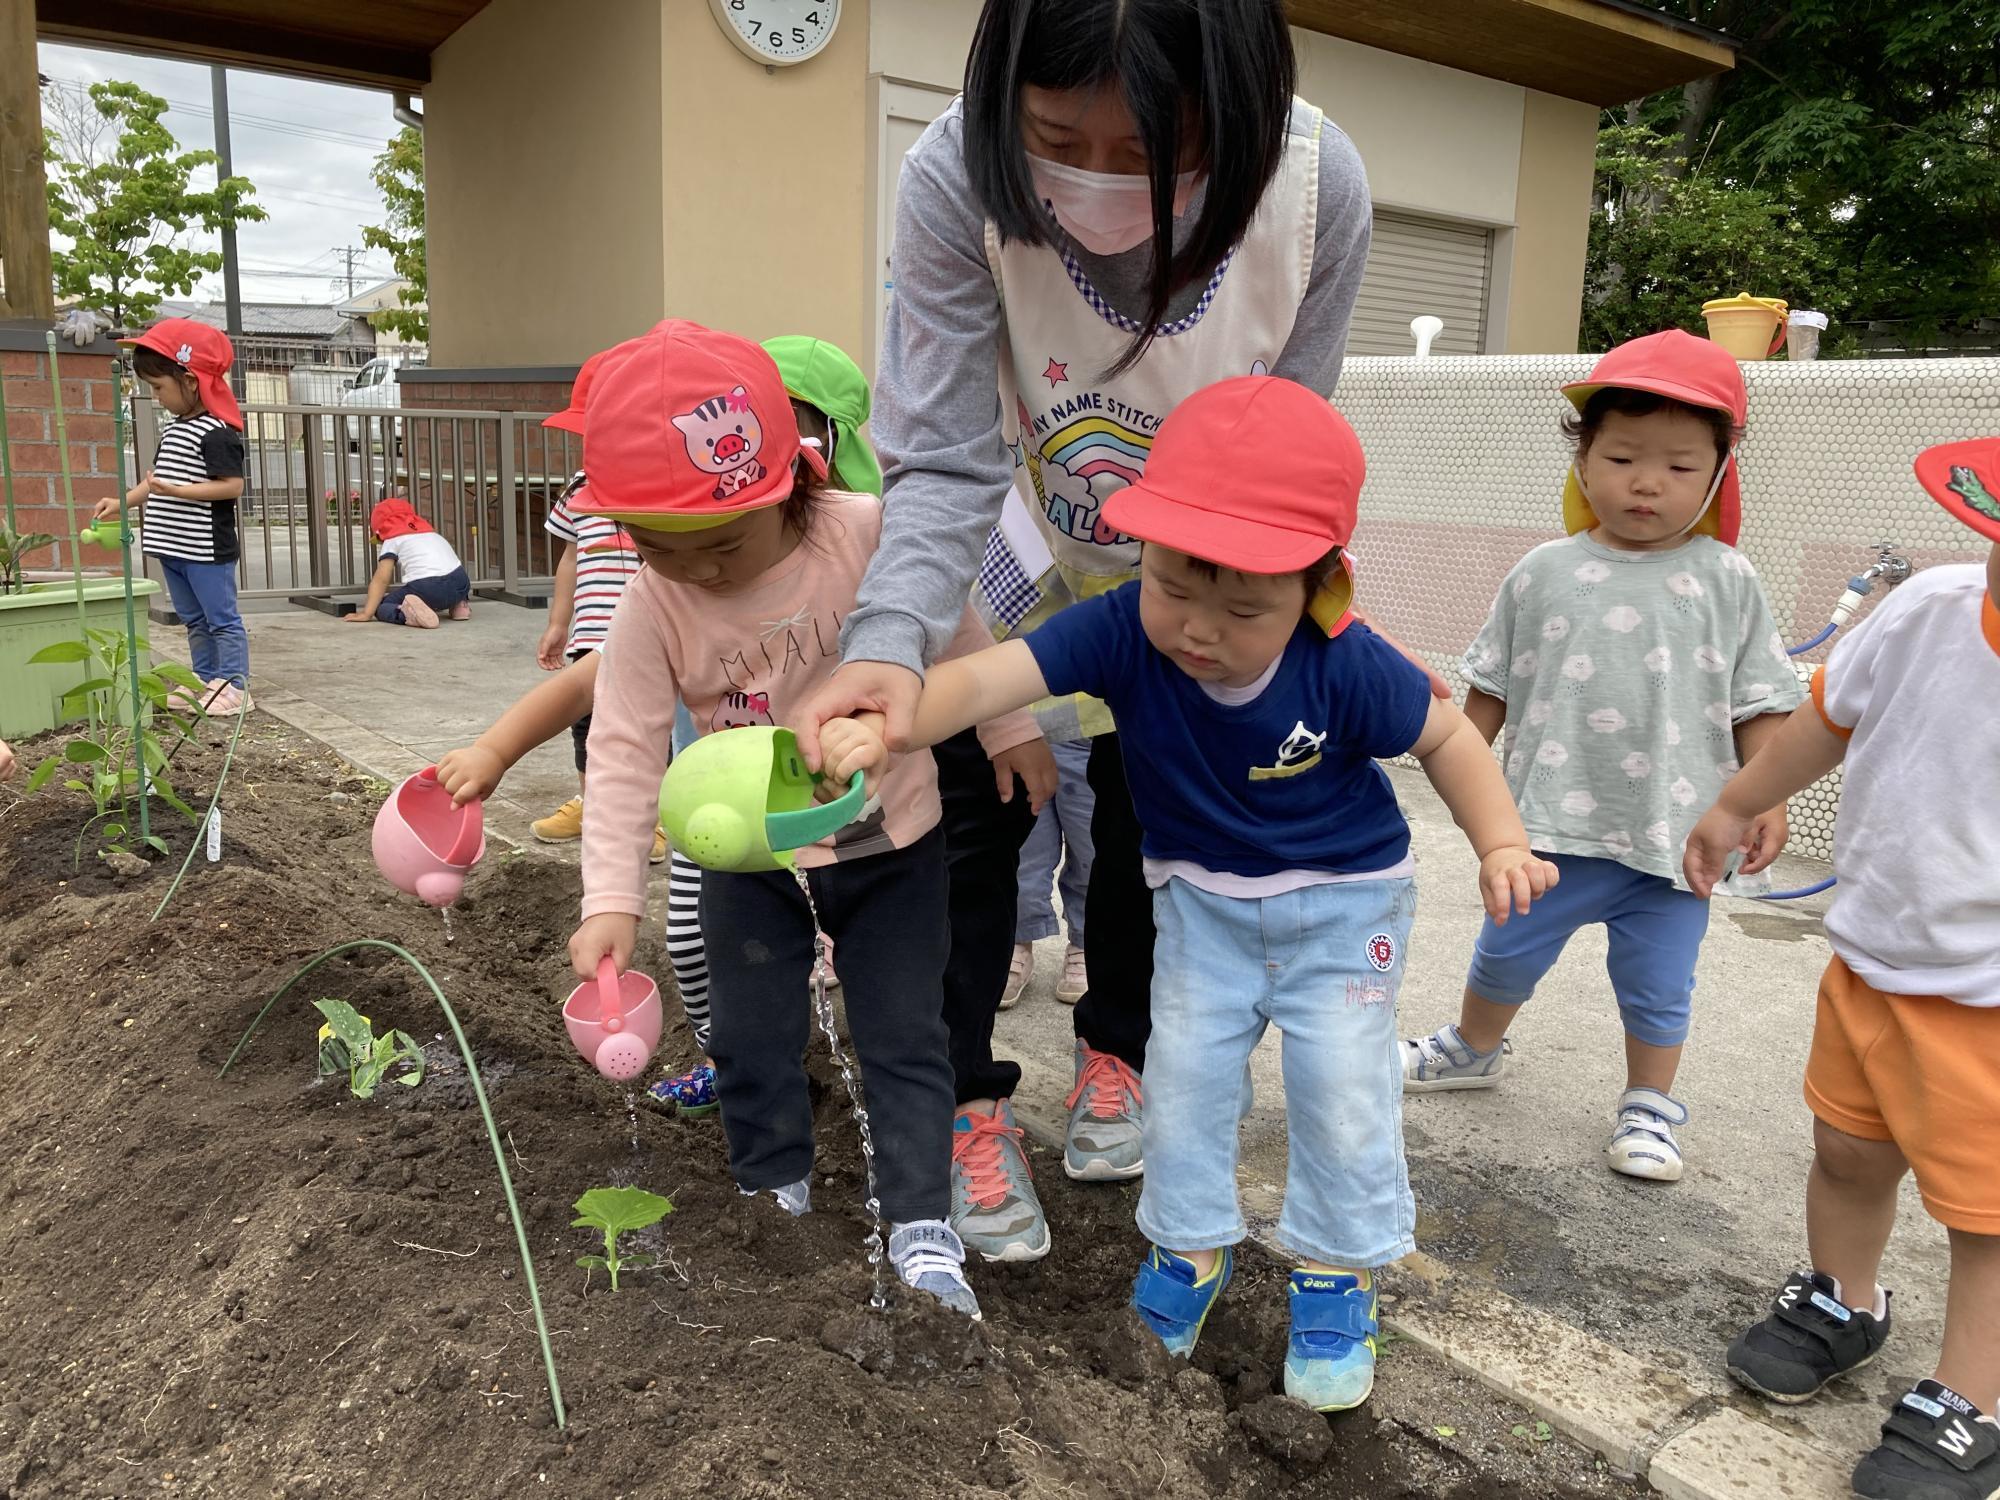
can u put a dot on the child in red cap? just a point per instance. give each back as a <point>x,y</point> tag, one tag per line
<point>189,497</point>
<point>690,441</point>
<point>1635,665</point>
<point>1905,1067</point>
<point>434,583</point>
<point>1252,709</point>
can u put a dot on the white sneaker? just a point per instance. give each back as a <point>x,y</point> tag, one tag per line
<point>1445,1060</point>
<point>1020,969</point>
<point>1075,977</point>
<point>1642,1143</point>
<point>927,1255</point>
<point>794,1198</point>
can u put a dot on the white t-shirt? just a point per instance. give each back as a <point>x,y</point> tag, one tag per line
<point>420,554</point>
<point>1917,842</point>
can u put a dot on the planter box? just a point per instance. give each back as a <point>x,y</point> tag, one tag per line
<point>41,615</point>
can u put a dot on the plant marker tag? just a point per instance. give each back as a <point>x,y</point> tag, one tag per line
<point>214,834</point>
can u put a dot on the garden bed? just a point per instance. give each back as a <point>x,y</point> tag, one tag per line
<point>260,1286</point>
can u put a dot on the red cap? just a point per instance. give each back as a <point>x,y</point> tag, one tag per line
<point>687,428</point>
<point>1681,367</point>
<point>1254,473</point>
<point>394,516</point>
<point>205,353</point>
<point>570,418</point>
<point>1965,479</point>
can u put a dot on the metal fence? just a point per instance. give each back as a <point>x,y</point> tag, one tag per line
<point>485,479</point>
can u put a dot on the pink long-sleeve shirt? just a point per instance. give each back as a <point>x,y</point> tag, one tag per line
<point>749,657</point>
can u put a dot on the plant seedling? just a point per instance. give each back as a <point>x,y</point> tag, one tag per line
<point>616,1210</point>
<point>366,1057</point>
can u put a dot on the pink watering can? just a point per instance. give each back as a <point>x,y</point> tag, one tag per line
<point>614,1020</point>
<point>424,845</point>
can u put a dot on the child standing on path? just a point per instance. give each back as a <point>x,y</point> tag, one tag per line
<point>1061,836</point>
<point>434,581</point>
<point>1634,664</point>
<point>1905,1067</point>
<point>691,443</point>
<point>1278,858</point>
<point>189,497</point>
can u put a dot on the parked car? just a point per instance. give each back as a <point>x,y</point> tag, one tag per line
<point>376,388</point>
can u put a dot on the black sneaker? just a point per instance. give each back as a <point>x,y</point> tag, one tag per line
<point>1936,1445</point>
<point>1810,1338</point>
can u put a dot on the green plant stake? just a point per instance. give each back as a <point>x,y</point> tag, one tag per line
<point>366,1057</point>
<point>69,502</point>
<point>125,557</point>
<point>485,1110</point>
<point>615,1210</point>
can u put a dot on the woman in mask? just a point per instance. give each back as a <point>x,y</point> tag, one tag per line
<point>1126,204</point>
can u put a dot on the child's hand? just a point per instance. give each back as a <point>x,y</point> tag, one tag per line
<point>1718,835</point>
<point>1768,833</point>
<point>847,746</point>
<point>549,649</point>
<point>1036,767</point>
<point>8,764</point>
<point>612,932</point>
<point>1510,879</point>
<point>357,617</point>
<point>105,509</point>
<point>470,775</point>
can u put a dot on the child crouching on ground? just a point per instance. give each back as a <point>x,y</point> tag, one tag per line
<point>1279,859</point>
<point>691,443</point>
<point>434,581</point>
<point>1905,1067</point>
<point>1634,664</point>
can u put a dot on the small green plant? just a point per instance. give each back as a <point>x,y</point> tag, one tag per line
<point>1541,1432</point>
<point>616,1211</point>
<point>100,753</point>
<point>366,1058</point>
<point>15,547</point>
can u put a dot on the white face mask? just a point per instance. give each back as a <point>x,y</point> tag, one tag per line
<point>1107,213</point>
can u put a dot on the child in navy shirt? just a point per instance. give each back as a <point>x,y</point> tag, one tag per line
<point>1252,709</point>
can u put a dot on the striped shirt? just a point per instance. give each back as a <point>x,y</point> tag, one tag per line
<point>605,562</point>
<point>194,450</point>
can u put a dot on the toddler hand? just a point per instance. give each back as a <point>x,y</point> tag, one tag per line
<point>357,616</point>
<point>470,775</point>
<point>612,932</point>
<point>1718,835</point>
<point>1511,878</point>
<point>1768,833</point>
<point>549,649</point>
<point>105,509</point>
<point>7,762</point>
<point>1036,767</point>
<point>847,746</point>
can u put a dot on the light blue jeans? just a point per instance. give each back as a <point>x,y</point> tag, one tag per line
<point>1323,965</point>
<point>1063,820</point>
<point>204,596</point>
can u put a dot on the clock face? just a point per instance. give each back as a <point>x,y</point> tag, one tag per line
<point>778,32</point>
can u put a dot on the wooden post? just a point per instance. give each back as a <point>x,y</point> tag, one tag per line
<point>29,291</point>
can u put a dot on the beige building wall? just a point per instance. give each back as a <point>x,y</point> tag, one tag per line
<point>1544,292</point>
<point>763,217</point>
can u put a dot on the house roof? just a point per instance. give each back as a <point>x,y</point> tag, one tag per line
<point>296,320</point>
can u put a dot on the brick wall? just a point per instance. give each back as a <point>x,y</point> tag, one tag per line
<point>37,463</point>
<point>488,395</point>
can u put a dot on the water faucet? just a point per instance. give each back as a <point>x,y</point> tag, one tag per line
<point>1889,568</point>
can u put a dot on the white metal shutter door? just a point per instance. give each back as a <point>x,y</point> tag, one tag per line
<point>1418,266</point>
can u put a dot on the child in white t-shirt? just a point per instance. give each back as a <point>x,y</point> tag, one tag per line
<point>1904,1073</point>
<point>433,580</point>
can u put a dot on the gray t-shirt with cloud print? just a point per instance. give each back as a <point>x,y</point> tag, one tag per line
<point>1624,674</point>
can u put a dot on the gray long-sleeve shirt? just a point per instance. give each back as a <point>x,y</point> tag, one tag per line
<point>937,401</point>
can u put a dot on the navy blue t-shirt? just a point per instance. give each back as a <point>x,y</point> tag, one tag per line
<point>1287,781</point>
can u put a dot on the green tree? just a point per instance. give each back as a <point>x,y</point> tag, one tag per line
<point>399,176</point>
<point>119,189</point>
<point>1871,128</point>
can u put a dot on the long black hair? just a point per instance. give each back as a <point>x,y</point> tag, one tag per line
<point>1224,66</point>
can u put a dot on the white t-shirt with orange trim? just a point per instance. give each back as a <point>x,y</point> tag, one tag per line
<point>1916,692</point>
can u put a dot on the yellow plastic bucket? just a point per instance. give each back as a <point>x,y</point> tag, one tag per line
<point>1748,327</point>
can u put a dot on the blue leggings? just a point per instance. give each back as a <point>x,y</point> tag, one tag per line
<point>440,593</point>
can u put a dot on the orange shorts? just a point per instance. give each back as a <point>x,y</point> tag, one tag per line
<point>1923,1072</point>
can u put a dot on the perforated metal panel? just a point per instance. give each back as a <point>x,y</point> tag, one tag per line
<point>1420,266</point>
<point>1465,468</point>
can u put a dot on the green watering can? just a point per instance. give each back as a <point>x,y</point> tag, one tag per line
<point>108,534</point>
<point>742,799</point>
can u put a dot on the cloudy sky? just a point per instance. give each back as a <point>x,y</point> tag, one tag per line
<point>306,146</point>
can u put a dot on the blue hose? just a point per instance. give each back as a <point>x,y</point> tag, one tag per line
<point>1817,640</point>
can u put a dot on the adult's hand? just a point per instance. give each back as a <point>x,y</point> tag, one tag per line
<point>860,687</point>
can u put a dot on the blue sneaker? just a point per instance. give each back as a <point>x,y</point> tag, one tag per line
<point>1330,1360</point>
<point>1172,1302</point>
<point>692,1093</point>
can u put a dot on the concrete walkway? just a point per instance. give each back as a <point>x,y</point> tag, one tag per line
<point>1603,1302</point>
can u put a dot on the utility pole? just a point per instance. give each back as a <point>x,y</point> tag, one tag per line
<point>350,251</point>
<point>232,288</point>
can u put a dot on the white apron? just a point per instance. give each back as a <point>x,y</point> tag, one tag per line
<point>1078,438</point>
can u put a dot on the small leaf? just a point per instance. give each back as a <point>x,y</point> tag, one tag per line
<point>59,652</point>
<point>348,1026</point>
<point>174,672</point>
<point>166,794</point>
<point>88,686</point>
<point>44,773</point>
<point>78,751</point>
<point>1543,1432</point>
<point>113,830</point>
<point>1445,1431</point>
<point>618,1209</point>
<point>592,1262</point>
<point>1520,1430</point>
<point>154,841</point>
<point>76,786</point>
